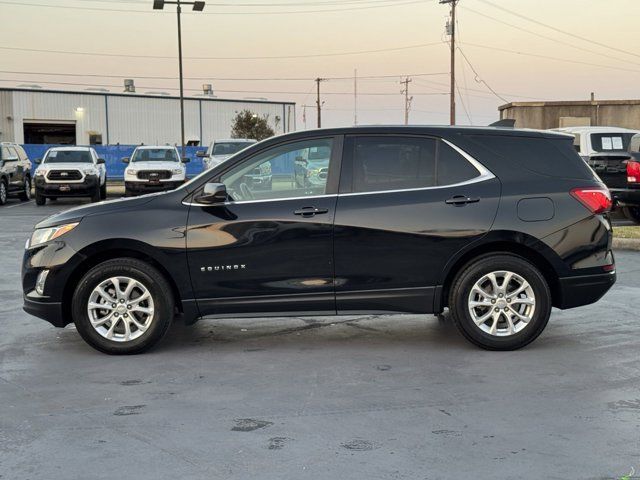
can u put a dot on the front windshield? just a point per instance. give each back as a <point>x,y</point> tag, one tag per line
<point>68,156</point>
<point>229,148</point>
<point>155,155</point>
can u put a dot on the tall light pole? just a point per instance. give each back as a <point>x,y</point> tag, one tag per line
<point>198,6</point>
<point>452,33</point>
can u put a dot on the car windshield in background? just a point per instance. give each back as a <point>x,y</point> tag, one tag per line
<point>68,156</point>
<point>155,155</point>
<point>610,142</point>
<point>229,148</point>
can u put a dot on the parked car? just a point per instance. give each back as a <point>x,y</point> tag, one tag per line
<point>498,225</point>
<point>312,169</point>
<point>221,150</point>
<point>70,172</point>
<point>607,151</point>
<point>154,169</point>
<point>15,172</point>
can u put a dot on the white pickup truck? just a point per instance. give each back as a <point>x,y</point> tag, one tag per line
<point>153,169</point>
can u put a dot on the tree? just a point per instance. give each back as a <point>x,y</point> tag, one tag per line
<point>247,124</point>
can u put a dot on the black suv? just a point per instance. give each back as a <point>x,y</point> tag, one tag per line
<point>496,224</point>
<point>15,172</point>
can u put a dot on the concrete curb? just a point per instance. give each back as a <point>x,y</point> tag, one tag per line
<point>626,244</point>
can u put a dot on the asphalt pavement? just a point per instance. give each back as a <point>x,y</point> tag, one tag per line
<point>360,397</point>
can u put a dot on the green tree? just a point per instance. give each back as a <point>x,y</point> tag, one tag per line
<point>247,124</point>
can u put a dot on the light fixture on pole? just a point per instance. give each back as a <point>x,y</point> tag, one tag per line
<point>198,6</point>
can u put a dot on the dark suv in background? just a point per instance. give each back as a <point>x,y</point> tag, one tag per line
<point>497,225</point>
<point>15,172</point>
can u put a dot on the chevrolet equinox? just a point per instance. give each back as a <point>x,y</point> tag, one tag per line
<point>498,225</point>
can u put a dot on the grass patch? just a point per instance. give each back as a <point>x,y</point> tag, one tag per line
<point>626,232</point>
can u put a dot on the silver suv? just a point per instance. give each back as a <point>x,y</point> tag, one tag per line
<point>70,172</point>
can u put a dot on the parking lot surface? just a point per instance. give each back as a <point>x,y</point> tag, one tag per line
<point>360,397</point>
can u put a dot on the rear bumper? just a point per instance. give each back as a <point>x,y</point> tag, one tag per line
<point>626,196</point>
<point>584,290</point>
<point>49,311</point>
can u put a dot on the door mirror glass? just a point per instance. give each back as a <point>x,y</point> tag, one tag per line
<point>213,193</point>
<point>38,160</point>
<point>201,154</point>
<point>100,161</point>
<point>186,159</point>
<point>125,160</point>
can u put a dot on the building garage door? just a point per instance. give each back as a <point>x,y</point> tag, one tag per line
<point>50,133</point>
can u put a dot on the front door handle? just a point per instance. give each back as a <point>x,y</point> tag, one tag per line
<point>310,211</point>
<point>461,200</point>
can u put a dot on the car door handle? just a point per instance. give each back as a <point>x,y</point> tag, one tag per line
<point>460,200</point>
<point>310,211</point>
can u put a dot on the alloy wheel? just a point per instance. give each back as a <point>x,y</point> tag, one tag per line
<point>502,303</point>
<point>3,193</point>
<point>120,309</point>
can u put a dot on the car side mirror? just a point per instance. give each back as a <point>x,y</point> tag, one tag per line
<point>212,194</point>
<point>185,160</point>
<point>201,154</point>
<point>125,160</point>
<point>100,161</point>
<point>38,160</point>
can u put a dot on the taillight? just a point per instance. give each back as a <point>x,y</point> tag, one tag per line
<point>633,171</point>
<point>597,200</point>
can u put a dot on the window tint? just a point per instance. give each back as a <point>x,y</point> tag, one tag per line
<point>4,153</point>
<point>393,163</point>
<point>68,156</point>
<point>155,155</point>
<point>610,142</point>
<point>293,170</point>
<point>229,148</point>
<point>452,167</point>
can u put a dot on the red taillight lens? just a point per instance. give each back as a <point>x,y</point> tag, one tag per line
<point>597,200</point>
<point>633,171</point>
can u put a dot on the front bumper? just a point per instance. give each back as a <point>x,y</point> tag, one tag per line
<point>145,187</point>
<point>78,189</point>
<point>41,308</point>
<point>584,289</point>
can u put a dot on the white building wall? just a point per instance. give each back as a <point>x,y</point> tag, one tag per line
<point>7,133</point>
<point>86,111</point>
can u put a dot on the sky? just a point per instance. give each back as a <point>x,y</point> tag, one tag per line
<point>516,50</point>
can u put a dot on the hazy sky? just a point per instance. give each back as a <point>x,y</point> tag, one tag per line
<point>234,29</point>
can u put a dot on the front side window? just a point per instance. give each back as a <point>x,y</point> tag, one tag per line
<point>155,155</point>
<point>296,169</point>
<point>68,156</point>
<point>401,163</point>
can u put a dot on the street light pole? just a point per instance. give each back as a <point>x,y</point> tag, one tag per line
<point>198,6</point>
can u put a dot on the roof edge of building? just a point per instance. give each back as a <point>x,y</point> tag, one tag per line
<point>565,103</point>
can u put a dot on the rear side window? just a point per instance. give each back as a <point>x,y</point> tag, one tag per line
<point>546,156</point>
<point>610,142</point>
<point>382,163</point>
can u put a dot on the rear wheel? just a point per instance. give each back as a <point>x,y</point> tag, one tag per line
<point>500,302</point>
<point>3,192</point>
<point>103,191</point>
<point>122,306</point>
<point>40,199</point>
<point>632,213</point>
<point>25,195</point>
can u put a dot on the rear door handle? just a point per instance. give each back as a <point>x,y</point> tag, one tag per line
<point>460,200</point>
<point>310,211</point>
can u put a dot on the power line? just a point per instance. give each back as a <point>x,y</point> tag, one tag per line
<point>479,79</point>
<point>278,57</point>
<point>281,12</point>
<point>559,30</point>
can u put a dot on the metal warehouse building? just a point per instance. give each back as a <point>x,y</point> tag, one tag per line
<point>38,116</point>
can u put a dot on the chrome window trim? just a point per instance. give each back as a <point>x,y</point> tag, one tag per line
<point>484,174</point>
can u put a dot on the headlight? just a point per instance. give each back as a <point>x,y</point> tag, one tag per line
<point>177,171</point>
<point>39,173</point>
<point>131,171</point>
<point>42,235</point>
<point>90,171</point>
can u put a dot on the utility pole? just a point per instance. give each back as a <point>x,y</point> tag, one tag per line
<point>198,6</point>
<point>318,103</point>
<point>451,30</point>
<point>355,96</point>
<point>407,98</point>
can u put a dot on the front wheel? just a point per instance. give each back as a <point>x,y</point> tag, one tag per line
<point>632,213</point>
<point>96,196</point>
<point>40,199</point>
<point>25,195</point>
<point>3,192</point>
<point>122,306</point>
<point>103,191</point>
<point>500,302</point>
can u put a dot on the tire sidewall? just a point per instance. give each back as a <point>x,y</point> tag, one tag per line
<point>150,278</point>
<point>4,192</point>
<point>476,270</point>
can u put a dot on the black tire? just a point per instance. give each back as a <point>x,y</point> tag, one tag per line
<point>140,271</point>
<point>4,191</point>
<point>632,213</point>
<point>40,199</point>
<point>103,191</point>
<point>96,196</point>
<point>471,273</point>
<point>25,195</point>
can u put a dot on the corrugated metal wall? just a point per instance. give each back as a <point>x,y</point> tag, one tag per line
<point>132,119</point>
